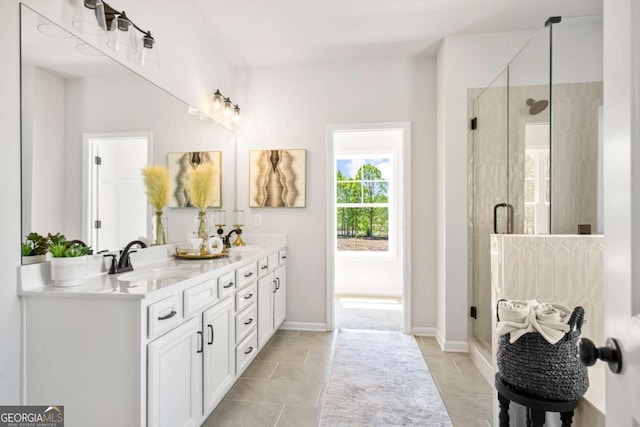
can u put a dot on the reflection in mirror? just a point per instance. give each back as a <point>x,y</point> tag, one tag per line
<point>89,125</point>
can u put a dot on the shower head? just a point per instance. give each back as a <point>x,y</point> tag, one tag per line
<point>536,107</point>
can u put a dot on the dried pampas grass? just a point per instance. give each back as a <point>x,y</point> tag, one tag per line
<point>200,185</point>
<point>156,179</point>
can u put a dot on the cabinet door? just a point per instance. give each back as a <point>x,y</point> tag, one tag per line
<point>175,377</point>
<point>266,292</point>
<point>218,328</point>
<point>280,297</point>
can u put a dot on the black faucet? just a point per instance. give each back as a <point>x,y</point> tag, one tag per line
<point>125,263</point>
<point>227,239</point>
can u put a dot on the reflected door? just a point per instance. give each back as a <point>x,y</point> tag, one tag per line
<point>117,203</point>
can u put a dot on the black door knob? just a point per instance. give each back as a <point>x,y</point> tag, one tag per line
<point>611,353</point>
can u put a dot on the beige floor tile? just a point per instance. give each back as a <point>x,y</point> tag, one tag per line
<point>467,366</point>
<point>287,332</point>
<point>289,341</point>
<point>283,354</point>
<point>442,364</point>
<point>468,383</point>
<point>462,422</point>
<point>243,414</point>
<point>323,394</point>
<point>310,372</point>
<point>320,356</point>
<point>299,416</point>
<point>260,369</point>
<point>276,391</point>
<point>429,346</point>
<point>469,406</point>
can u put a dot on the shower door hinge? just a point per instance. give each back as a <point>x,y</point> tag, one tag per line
<point>98,160</point>
<point>97,224</point>
<point>473,312</point>
<point>474,123</point>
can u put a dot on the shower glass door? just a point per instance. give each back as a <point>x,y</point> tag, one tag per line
<point>490,202</point>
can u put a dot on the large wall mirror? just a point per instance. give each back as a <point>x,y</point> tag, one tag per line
<point>89,125</point>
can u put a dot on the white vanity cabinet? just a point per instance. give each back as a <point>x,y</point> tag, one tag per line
<point>175,385</point>
<point>164,357</point>
<point>271,300</point>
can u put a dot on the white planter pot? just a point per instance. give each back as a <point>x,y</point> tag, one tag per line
<point>71,271</point>
<point>34,259</point>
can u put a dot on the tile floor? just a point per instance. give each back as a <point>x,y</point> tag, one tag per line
<point>286,383</point>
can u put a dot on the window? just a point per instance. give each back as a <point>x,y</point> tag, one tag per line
<point>536,192</point>
<point>362,203</point>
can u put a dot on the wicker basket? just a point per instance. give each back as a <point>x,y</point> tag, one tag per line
<point>550,371</point>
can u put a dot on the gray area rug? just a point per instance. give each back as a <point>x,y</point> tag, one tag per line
<point>380,318</point>
<point>380,378</point>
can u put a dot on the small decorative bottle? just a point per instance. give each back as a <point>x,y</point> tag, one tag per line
<point>159,228</point>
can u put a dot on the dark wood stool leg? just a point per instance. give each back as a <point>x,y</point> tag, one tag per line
<point>537,417</point>
<point>528,411</point>
<point>504,411</point>
<point>566,418</point>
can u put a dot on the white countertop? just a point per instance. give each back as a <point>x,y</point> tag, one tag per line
<point>35,280</point>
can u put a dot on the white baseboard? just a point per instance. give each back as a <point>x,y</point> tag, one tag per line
<point>424,332</point>
<point>452,346</point>
<point>303,326</point>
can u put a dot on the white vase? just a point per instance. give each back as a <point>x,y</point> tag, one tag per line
<point>34,259</point>
<point>69,271</point>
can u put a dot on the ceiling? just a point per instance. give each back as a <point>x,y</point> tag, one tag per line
<point>257,33</point>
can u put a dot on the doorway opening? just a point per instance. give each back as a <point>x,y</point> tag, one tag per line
<point>112,165</point>
<point>367,219</point>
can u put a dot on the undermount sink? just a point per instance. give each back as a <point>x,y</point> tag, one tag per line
<point>156,274</point>
<point>247,248</point>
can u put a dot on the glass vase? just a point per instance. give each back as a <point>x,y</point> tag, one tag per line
<point>159,228</point>
<point>201,224</point>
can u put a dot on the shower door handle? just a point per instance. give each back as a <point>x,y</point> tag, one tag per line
<point>509,207</point>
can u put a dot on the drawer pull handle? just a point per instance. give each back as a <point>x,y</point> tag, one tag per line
<point>201,342</point>
<point>278,285</point>
<point>275,286</point>
<point>228,286</point>
<point>248,322</point>
<point>249,351</point>
<point>248,296</point>
<point>168,316</point>
<point>212,334</point>
<point>264,267</point>
<point>249,274</point>
<point>283,257</point>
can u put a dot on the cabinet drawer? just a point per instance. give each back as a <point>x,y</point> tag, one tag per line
<point>263,266</point>
<point>273,261</point>
<point>282,255</point>
<point>246,351</point>
<point>199,296</point>
<point>246,274</point>
<point>164,315</point>
<point>226,285</point>
<point>245,297</point>
<point>246,322</point>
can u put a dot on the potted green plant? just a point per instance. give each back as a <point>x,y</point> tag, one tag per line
<point>34,249</point>
<point>68,262</point>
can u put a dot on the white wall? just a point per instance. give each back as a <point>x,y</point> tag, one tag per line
<point>192,67</point>
<point>43,158</point>
<point>473,61</point>
<point>289,108</point>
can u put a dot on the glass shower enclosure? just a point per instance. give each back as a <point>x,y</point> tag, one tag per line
<point>534,156</point>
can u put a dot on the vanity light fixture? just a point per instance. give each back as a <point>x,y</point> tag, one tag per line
<point>97,17</point>
<point>228,107</point>
<point>217,100</point>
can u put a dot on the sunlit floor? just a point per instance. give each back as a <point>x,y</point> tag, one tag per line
<point>379,313</point>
